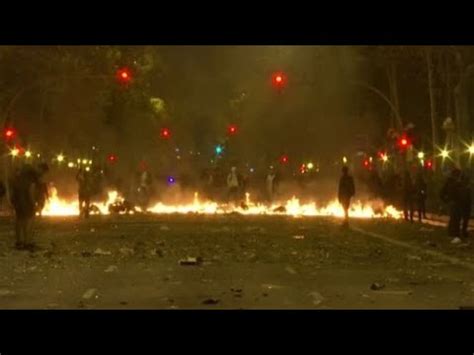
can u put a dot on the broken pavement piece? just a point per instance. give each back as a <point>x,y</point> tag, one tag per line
<point>396,293</point>
<point>298,237</point>
<point>317,298</point>
<point>290,270</point>
<point>413,257</point>
<point>164,228</point>
<point>111,268</point>
<point>211,301</point>
<point>190,261</point>
<point>89,293</point>
<point>377,286</point>
<point>99,251</point>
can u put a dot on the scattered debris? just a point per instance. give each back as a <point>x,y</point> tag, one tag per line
<point>164,228</point>
<point>280,209</point>
<point>124,303</point>
<point>89,293</point>
<point>92,230</point>
<point>413,257</point>
<point>86,254</point>
<point>298,237</point>
<point>236,290</point>
<point>190,261</point>
<point>317,298</point>
<point>265,294</point>
<point>377,286</point>
<point>99,251</point>
<point>211,301</point>
<point>111,268</point>
<point>5,292</point>
<point>290,270</point>
<point>127,251</point>
<point>155,252</point>
<point>430,244</point>
<point>271,287</point>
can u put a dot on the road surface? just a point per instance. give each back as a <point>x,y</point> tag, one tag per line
<point>242,262</point>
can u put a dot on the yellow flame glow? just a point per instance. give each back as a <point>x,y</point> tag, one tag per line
<point>60,207</point>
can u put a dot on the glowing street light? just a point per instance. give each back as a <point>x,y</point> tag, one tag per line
<point>384,158</point>
<point>344,160</point>
<point>444,153</point>
<point>421,155</point>
<point>310,166</point>
<point>60,158</point>
<point>28,154</point>
<point>84,161</point>
<point>470,150</point>
<point>14,152</point>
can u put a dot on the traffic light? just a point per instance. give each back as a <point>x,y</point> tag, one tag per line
<point>165,133</point>
<point>428,164</point>
<point>279,80</point>
<point>112,158</point>
<point>404,143</point>
<point>232,129</point>
<point>124,75</point>
<point>284,159</point>
<point>219,149</point>
<point>9,134</point>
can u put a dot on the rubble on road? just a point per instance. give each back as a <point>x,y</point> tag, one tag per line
<point>190,261</point>
<point>211,301</point>
<point>111,268</point>
<point>298,237</point>
<point>377,286</point>
<point>90,293</point>
<point>127,251</point>
<point>317,298</point>
<point>99,251</point>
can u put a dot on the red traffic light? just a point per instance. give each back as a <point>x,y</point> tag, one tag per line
<point>279,80</point>
<point>232,129</point>
<point>165,133</point>
<point>284,159</point>
<point>404,142</point>
<point>124,75</point>
<point>429,164</point>
<point>9,133</point>
<point>112,158</point>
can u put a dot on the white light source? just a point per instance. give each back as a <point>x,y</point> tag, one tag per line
<point>310,166</point>
<point>444,154</point>
<point>421,155</point>
<point>28,154</point>
<point>14,152</point>
<point>60,158</point>
<point>471,149</point>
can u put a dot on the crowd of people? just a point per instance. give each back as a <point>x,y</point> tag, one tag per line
<point>29,193</point>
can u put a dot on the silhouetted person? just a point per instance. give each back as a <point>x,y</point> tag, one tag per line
<point>345,192</point>
<point>233,184</point>
<point>270,184</point>
<point>85,183</point>
<point>449,193</point>
<point>464,203</point>
<point>23,198</point>
<point>421,195</point>
<point>408,196</point>
<point>375,184</point>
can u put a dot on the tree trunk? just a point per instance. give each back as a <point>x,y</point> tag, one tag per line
<point>434,133</point>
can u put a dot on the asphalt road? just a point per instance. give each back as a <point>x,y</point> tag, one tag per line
<point>241,262</point>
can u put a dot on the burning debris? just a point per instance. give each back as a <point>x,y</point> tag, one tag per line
<point>115,204</point>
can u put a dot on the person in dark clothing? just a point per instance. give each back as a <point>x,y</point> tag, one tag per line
<point>23,198</point>
<point>449,193</point>
<point>464,203</point>
<point>84,180</point>
<point>375,184</point>
<point>408,196</point>
<point>345,192</point>
<point>421,194</point>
